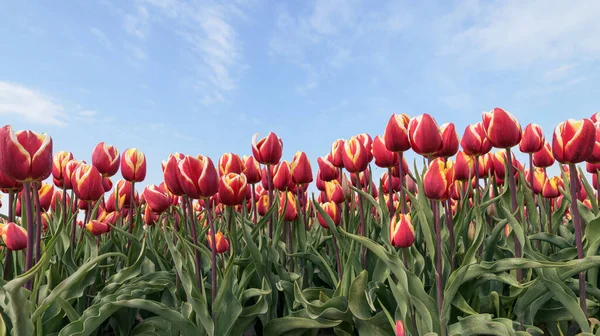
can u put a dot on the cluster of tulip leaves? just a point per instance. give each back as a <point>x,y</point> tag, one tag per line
<point>145,282</point>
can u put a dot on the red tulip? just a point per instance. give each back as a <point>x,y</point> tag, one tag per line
<point>405,170</point>
<point>327,171</point>
<point>543,158</point>
<point>222,244</point>
<point>268,150</point>
<point>150,216</point>
<point>106,159</point>
<point>424,135</point>
<point>282,177</point>
<point>385,183</point>
<point>158,197</point>
<point>551,187</point>
<point>437,180</point>
<point>133,165</point>
<point>59,161</point>
<point>107,184</point>
<point>289,211</point>
<point>300,169</point>
<point>594,156</point>
<point>252,170</point>
<point>7,183</point>
<point>97,228</point>
<point>573,141</point>
<point>499,168</point>
<point>367,142</point>
<point>56,201</point>
<point>539,178</point>
<point>384,158</point>
<point>232,189</point>
<point>474,142</point>
<point>449,141</point>
<point>592,168</point>
<point>171,174</point>
<point>402,232</point>
<point>230,163</point>
<point>396,133</point>
<point>14,236</point>
<point>68,172</point>
<point>355,155</point>
<point>87,183</point>
<point>486,165</point>
<point>334,192</point>
<point>25,155</point>
<point>262,205</point>
<point>198,177</point>
<point>45,193</point>
<point>501,128</point>
<point>464,168</point>
<point>533,139</point>
<point>336,154</point>
<point>399,328</point>
<point>332,210</point>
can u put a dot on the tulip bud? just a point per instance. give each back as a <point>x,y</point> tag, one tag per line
<point>268,150</point>
<point>405,170</point>
<point>327,171</point>
<point>59,161</point>
<point>396,133</point>
<point>367,143</point>
<point>8,184</point>
<point>282,177</point>
<point>594,156</point>
<point>252,170</point>
<point>107,184</point>
<point>171,174</point>
<point>471,232</point>
<point>332,210</point>
<point>533,139</point>
<point>14,236</point>
<point>385,182</point>
<point>45,193</point>
<point>262,205</point>
<point>25,155</point>
<point>437,180</point>
<point>198,177</point>
<point>300,169</point>
<point>133,165</point>
<point>106,159</point>
<point>595,117</point>
<point>158,197</point>
<point>499,160</point>
<point>551,187</point>
<point>539,178</point>
<point>399,328</point>
<point>486,165</point>
<point>543,158</point>
<point>230,163</point>
<point>334,192</point>
<point>402,233</point>
<point>424,135</point>
<point>291,209</point>
<point>336,155</point>
<point>87,183</point>
<point>97,228</point>
<point>68,172</point>
<point>150,216</point>
<point>320,183</point>
<point>232,189</point>
<point>355,155</point>
<point>222,244</point>
<point>572,141</point>
<point>464,168</point>
<point>384,158</point>
<point>474,142</point>
<point>449,141</point>
<point>501,128</point>
<point>592,168</point>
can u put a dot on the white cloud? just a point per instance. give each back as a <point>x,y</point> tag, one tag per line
<point>87,116</point>
<point>102,38</point>
<point>137,24</point>
<point>137,52</point>
<point>87,113</point>
<point>559,73</point>
<point>30,104</point>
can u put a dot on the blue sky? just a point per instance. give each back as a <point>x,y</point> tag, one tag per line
<point>201,77</point>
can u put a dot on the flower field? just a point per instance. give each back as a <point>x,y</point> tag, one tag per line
<point>473,243</point>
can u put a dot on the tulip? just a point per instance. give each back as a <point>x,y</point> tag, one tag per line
<point>106,159</point>
<point>97,228</point>
<point>25,156</point>
<point>396,133</point>
<point>68,172</point>
<point>402,232</point>
<point>464,168</point>
<point>486,164</point>
<point>327,171</point>
<point>87,183</point>
<point>222,244</point>
<point>474,142</point>
<point>268,150</point>
<point>384,158</point>
<point>252,170</point>
<point>230,163</point>
<point>336,154</point>
<point>405,170</point>
<point>355,155</point>
<point>8,184</point>
<point>57,201</point>
<point>333,211</point>
<point>334,192</point>
<point>262,205</point>
<point>45,194</point>
<point>592,168</point>
<point>437,180</point>
<point>385,182</point>
<point>107,184</point>
<point>300,169</point>
<point>399,328</point>
<point>539,178</point>
<point>533,139</point>
<point>449,141</point>
<point>424,135</point>
<point>499,159</point>
<point>501,128</point>
<point>116,200</point>
<point>289,211</point>
<point>282,177</point>
<point>367,143</point>
<point>133,165</point>
<point>159,199</point>
<point>198,176</point>
<point>14,236</point>
<point>59,161</point>
<point>594,156</point>
<point>170,169</point>
<point>232,189</point>
<point>551,187</point>
<point>543,158</point>
<point>150,216</point>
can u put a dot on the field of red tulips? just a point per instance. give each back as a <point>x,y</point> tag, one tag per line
<point>473,242</point>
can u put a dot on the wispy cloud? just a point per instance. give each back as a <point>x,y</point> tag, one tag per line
<point>136,23</point>
<point>102,38</point>
<point>88,116</point>
<point>559,73</point>
<point>30,104</point>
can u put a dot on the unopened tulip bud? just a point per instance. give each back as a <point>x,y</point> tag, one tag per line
<point>300,169</point>
<point>502,129</point>
<point>396,133</point>
<point>150,216</point>
<point>471,232</point>
<point>474,142</point>
<point>97,228</point>
<point>424,135</point>
<point>543,158</point>
<point>464,168</point>
<point>288,208</point>
<point>159,199</point>
<point>594,156</point>
<point>533,139</point>
<point>334,192</point>
<point>14,236</point>
<point>133,165</point>
<point>232,189</point>
<point>25,155</point>
<point>572,141</point>
<point>268,150</point>
<point>222,244</point>
<point>282,176</point>
<point>87,183</point>
<point>384,158</point>
<point>327,171</point>
<point>45,193</point>
<point>449,141</point>
<point>252,170</point>
<point>437,180</point>
<point>336,154</point>
<point>355,155</point>
<point>402,232</point>
<point>198,176</point>
<point>106,159</point>
<point>171,174</point>
<point>59,161</point>
<point>551,187</point>
<point>332,210</point>
<point>262,205</point>
<point>399,328</point>
<point>230,163</point>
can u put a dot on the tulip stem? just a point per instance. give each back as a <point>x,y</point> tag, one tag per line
<point>337,258</point>
<point>131,208</point>
<point>213,253</point>
<point>390,193</point>
<point>11,219</point>
<point>361,229</point>
<point>578,242</point>
<point>30,231</point>
<point>598,187</point>
<point>40,225</point>
<point>74,224</point>
<point>291,245</point>
<point>195,239</point>
<point>270,187</point>
<point>450,224</point>
<point>253,198</point>
<point>438,263</point>
<point>513,193</point>
<point>403,205</point>
<point>531,173</point>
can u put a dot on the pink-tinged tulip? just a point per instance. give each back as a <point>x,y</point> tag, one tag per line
<point>459,189</point>
<point>45,193</point>
<point>282,176</point>
<point>68,172</point>
<point>288,211</point>
<point>336,155</point>
<point>543,158</point>
<point>384,158</point>
<point>424,135</point>
<point>107,184</point>
<point>573,141</point>
<point>158,198</point>
<point>595,117</point>
<point>594,156</point>
<point>87,183</point>
<point>355,155</point>
<point>464,167</point>
<point>551,187</point>
<point>14,236</point>
<point>25,155</point>
<point>396,133</point>
<point>252,170</point>
<point>592,168</point>
<point>402,232</point>
<point>97,228</point>
<point>367,142</point>
<point>56,202</point>
<point>59,161</point>
<point>386,183</point>
<point>499,159</point>
<point>222,244</point>
<point>262,205</point>
<point>399,328</point>
<point>265,176</point>
<point>320,183</point>
<point>334,192</point>
<point>332,210</point>
<point>300,169</point>
<point>437,180</point>
<point>449,141</point>
<point>133,165</point>
<point>533,139</point>
<point>268,150</point>
<point>230,163</point>
<point>327,171</point>
<point>171,174</point>
<point>539,178</point>
<point>198,176</point>
<point>106,159</point>
<point>405,170</point>
<point>501,128</point>
<point>232,189</point>
<point>150,216</point>
<point>7,183</point>
<point>474,142</point>
<point>486,165</point>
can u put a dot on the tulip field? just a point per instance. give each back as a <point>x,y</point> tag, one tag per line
<point>473,242</point>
